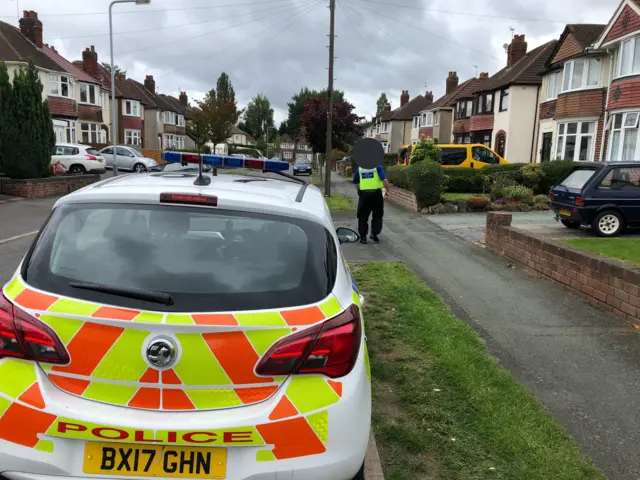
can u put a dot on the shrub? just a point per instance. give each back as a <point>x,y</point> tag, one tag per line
<point>532,176</point>
<point>517,193</point>
<point>554,173</point>
<point>512,171</point>
<point>477,203</point>
<point>390,159</point>
<point>348,171</point>
<point>425,149</point>
<point>498,183</point>
<point>425,181</point>
<point>541,199</point>
<point>397,175</point>
<point>463,180</point>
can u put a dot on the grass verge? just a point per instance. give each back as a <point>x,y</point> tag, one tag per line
<point>443,408</point>
<point>338,202</point>
<point>454,197</point>
<point>624,249</point>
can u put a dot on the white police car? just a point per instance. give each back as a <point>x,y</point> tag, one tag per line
<point>176,326</point>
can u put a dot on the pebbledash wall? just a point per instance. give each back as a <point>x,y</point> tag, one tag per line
<point>45,187</point>
<point>403,197</point>
<point>606,283</point>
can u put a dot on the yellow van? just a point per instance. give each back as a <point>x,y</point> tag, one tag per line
<point>460,155</point>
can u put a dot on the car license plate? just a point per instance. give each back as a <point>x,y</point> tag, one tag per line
<point>154,461</point>
<point>564,212</point>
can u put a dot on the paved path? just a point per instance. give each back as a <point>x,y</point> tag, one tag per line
<point>582,364</point>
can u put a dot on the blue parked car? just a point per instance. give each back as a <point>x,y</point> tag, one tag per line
<point>604,196</point>
<point>302,167</point>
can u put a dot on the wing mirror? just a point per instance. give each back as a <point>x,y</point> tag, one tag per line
<point>347,235</point>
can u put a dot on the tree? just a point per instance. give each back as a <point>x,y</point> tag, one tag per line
<point>226,95</point>
<point>425,149</point>
<point>197,128</point>
<point>381,103</point>
<point>314,122</point>
<point>118,70</point>
<point>6,113</point>
<point>258,118</point>
<point>219,112</point>
<point>28,144</point>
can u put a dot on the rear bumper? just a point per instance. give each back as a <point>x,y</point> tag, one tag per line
<point>338,451</point>
<point>576,214</point>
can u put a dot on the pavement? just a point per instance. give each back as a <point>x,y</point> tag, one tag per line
<point>581,363</point>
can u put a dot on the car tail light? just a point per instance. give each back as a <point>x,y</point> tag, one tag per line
<point>188,199</point>
<point>552,196</point>
<point>330,349</point>
<point>580,201</point>
<point>91,157</point>
<point>23,336</point>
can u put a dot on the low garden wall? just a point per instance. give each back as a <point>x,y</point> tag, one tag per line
<point>607,283</point>
<point>404,198</point>
<point>45,187</point>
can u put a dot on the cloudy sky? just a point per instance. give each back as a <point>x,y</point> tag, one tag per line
<point>275,47</point>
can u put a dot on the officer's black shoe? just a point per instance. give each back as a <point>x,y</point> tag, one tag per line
<point>375,238</point>
<point>363,240</point>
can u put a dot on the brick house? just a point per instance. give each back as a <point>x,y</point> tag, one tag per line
<point>571,108</point>
<point>460,103</point>
<point>179,107</point>
<point>436,120</point>
<point>505,106</point>
<point>621,38</point>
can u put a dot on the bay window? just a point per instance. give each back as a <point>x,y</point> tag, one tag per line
<point>576,141</point>
<point>504,99</point>
<point>132,108</point>
<point>554,83</point>
<point>464,109</point>
<point>629,62</point>
<point>168,118</point>
<point>61,86</point>
<point>179,120</point>
<point>623,136</point>
<point>582,73</point>
<point>92,133</point>
<point>132,137</point>
<point>90,94</point>
<point>436,118</point>
<point>416,121</point>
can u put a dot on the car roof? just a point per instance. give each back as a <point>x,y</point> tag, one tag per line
<point>73,145</point>
<point>606,164</point>
<point>256,193</point>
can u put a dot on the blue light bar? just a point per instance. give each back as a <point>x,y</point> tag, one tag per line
<point>229,161</point>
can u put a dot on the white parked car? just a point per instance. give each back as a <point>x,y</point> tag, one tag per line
<point>219,334</point>
<point>78,159</point>
<point>128,158</point>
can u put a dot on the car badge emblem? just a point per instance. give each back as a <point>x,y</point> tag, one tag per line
<point>161,353</point>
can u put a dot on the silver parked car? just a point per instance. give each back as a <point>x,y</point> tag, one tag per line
<point>128,158</point>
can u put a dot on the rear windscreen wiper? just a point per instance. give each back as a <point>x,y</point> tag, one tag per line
<point>147,295</point>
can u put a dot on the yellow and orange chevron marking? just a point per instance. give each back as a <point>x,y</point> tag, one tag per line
<point>215,369</point>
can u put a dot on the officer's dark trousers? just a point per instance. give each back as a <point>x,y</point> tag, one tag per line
<point>371,202</point>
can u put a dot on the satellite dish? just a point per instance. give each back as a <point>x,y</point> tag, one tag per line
<point>505,46</point>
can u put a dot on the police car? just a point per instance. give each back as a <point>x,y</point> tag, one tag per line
<point>180,325</point>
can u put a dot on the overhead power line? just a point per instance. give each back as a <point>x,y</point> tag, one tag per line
<point>450,12</point>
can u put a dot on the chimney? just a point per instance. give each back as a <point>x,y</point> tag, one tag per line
<point>184,99</point>
<point>150,83</point>
<point>387,107</point>
<point>429,97</point>
<point>31,27</point>
<point>484,75</point>
<point>452,82</point>
<point>516,50</point>
<point>122,76</point>
<point>90,61</point>
<point>404,98</point>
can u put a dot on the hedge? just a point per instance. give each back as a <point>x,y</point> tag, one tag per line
<point>425,180</point>
<point>397,175</point>
<point>390,159</point>
<point>463,180</point>
<point>554,173</point>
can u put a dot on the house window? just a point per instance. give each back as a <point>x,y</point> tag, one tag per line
<point>629,63</point>
<point>385,127</point>
<point>464,109</point>
<point>462,138</point>
<point>484,103</point>
<point>132,137</point>
<point>92,133</point>
<point>624,136</point>
<point>429,120</point>
<point>576,141</point>
<point>436,118</point>
<point>61,86</point>
<point>132,108</point>
<point>158,116</point>
<point>504,100</point>
<point>90,94</point>
<point>554,83</point>
<point>65,131</point>
<point>168,118</point>
<point>178,120</point>
<point>583,73</point>
<point>416,122</point>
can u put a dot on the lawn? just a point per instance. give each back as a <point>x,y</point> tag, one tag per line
<point>624,249</point>
<point>443,408</point>
<point>338,202</point>
<point>454,197</point>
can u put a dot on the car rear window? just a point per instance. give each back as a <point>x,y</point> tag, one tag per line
<point>206,259</point>
<point>92,151</point>
<point>578,178</point>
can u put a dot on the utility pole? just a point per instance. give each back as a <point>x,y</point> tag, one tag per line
<point>327,159</point>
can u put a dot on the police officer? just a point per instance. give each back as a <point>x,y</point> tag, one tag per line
<point>369,182</point>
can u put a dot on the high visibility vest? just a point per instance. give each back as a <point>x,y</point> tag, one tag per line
<point>369,179</point>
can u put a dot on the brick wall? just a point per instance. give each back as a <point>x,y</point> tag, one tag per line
<point>605,283</point>
<point>462,126</point>
<point>548,110</point>
<point>403,197</point>
<point>625,93</point>
<point>426,132</point>
<point>63,107</point>
<point>627,22</point>
<point>569,48</point>
<point>481,122</point>
<point>45,187</point>
<point>588,103</point>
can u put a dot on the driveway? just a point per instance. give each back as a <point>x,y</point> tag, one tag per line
<point>582,364</point>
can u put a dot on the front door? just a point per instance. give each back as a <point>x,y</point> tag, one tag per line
<point>545,152</point>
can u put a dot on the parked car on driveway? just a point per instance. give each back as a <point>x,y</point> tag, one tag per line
<point>604,196</point>
<point>128,158</point>
<point>78,159</point>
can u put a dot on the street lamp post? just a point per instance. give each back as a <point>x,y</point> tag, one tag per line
<point>114,114</point>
